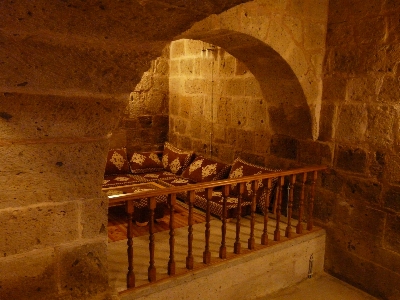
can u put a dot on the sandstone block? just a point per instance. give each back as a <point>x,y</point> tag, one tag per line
<point>94,218</point>
<point>392,233</point>
<point>370,30</point>
<point>392,168</point>
<point>392,198</point>
<point>227,66</point>
<point>362,89</point>
<point>186,67</point>
<point>245,140</point>
<point>353,122</point>
<point>389,91</point>
<point>177,49</point>
<point>39,116</point>
<point>328,115</point>
<point>351,159</point>
<point>315,153</point>
<point>29,276</point>
<point>83,268</point>
<point>239,115</point>
<point>381,124</point>
<point>38,227</point>
<point>252,88</point>
<point>51,172</point>
<point>340,34</point>
<point>362,190</point>
<point>285,147</point>
<point>314,35</point>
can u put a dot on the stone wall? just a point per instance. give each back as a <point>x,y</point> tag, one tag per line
<point>216,108</point>
<point>360,120</point>
<point>67,69</point>
<point>144,125</point>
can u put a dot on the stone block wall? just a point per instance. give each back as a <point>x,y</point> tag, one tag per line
<point>360,121</point>
<point>67,69</point>
<point>216,107</point>
<point>144,124</point>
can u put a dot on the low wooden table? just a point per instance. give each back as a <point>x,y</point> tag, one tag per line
<point>118,196</point>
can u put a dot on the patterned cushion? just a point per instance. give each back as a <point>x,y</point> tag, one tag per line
<point>203,169</point>
<point>242,168</point>
<point>216,204</point>
<point>177,181</point>
<point>117,162</point>
<point>145,162</point>
<point>175,160</point>
<point>155,176</point>
<point>118,180</point>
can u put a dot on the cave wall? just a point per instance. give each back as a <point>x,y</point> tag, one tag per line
<point>67,71</point>
<point>360,204</point>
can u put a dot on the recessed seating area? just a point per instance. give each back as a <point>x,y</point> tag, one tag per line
<point>174,167</point>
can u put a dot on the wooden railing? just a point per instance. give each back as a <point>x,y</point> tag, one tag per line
<point>303,179</point>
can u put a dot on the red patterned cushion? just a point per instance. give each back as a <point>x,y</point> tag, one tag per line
<point>145,162</point>
<point>203,169</point>
<point>117,162</point>
<point>242,168</point>
<point>175,160</point>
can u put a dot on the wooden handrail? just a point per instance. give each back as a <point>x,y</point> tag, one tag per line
<point>191,189</point>
<point>216,183</point>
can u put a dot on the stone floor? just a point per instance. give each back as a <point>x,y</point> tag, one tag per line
<point>323,287</point>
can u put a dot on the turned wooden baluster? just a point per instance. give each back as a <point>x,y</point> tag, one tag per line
<point>207,252</point>
<point>222,248</point>
<point>277,233</point>
<point>288,232</point>
<point>264,237</point>
<point>299,227</point>
<point>189,258</point>
<point>130,276</point>
<point>251,243</point>
<point>310,222</point>
<point>237,245</point>
<point>152,269</point>
<point>171,262</point>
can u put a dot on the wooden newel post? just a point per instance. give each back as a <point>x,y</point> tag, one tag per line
<point>171,262</point>
<point>310,222</point>
<point>152,269</point>
<point>264,237</point>
<point>251,243</point>
<point>288,232</point>
<point>130,276</point>
<point>237,245</point>
<point>189,257</point>
<point>222,248</point>
<point>207,252</point>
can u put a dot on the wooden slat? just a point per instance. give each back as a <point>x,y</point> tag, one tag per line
<point>171,262</point>
<point>277,232</point>
<point>189,257</point>
<point>264,237</point>
<point>310,222</point>
<point>207,252</point>
<point>152,269</point>
<point>288,232</point>
<point>130,276</point>
<point>251,243</point>
<point>222,248</point>
<point>237,245</point>
<point>299,227</point>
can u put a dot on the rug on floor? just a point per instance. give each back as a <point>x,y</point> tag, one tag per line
<point>117,222</point>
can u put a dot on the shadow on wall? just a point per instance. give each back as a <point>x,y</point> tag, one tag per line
<point>289,113</point>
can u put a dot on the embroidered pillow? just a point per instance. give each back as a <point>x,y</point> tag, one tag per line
<point>117,162</point>
<point>175,160</point>
<point>145,162</point>
<point>203,169</point>
<point>242,168</point>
